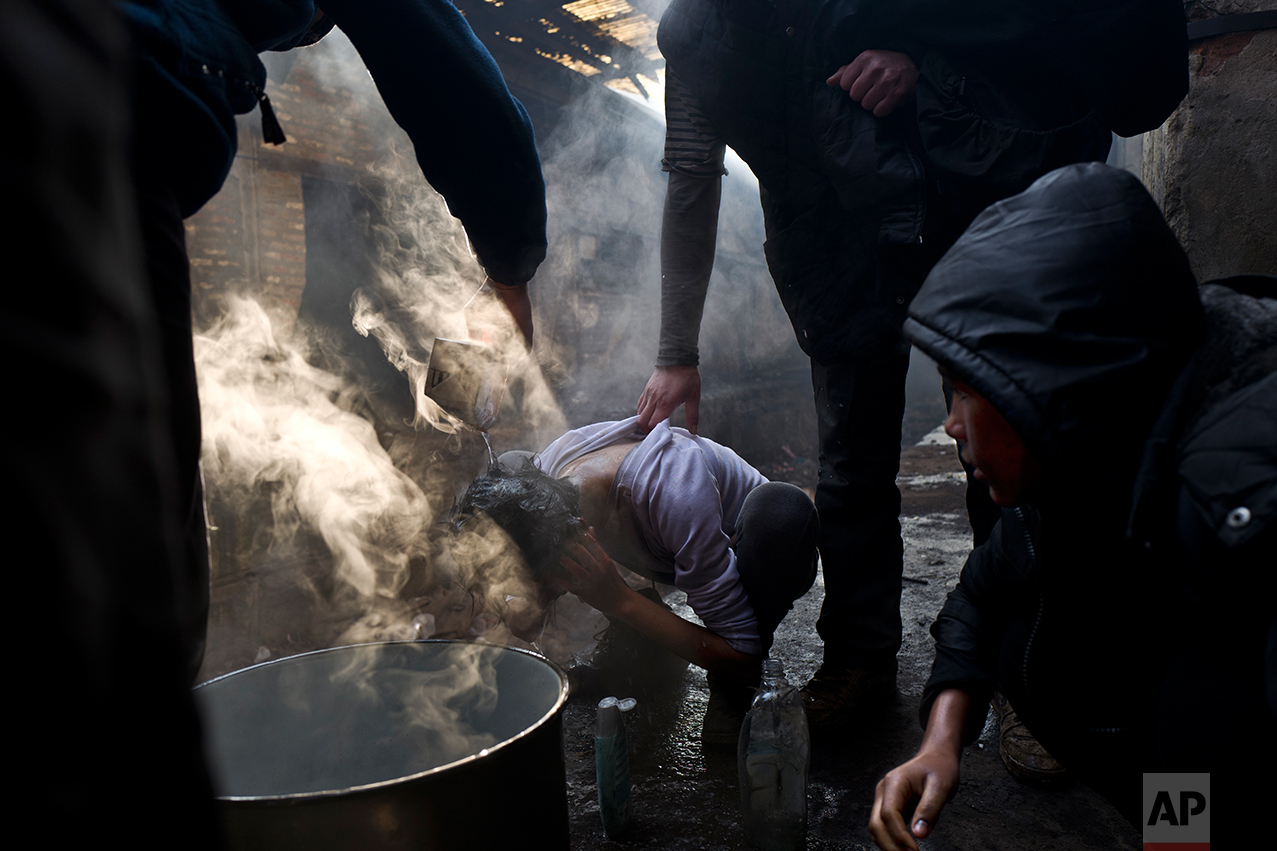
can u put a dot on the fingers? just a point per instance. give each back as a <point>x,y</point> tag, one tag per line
<point>868,82</point>
<point>876,91</point>
<point>647,409</point>
<point>885,105</point>
<point>668,388</point>
<point>649,404</point>
<point>594,548</point>
<point>659,409</point>
<point>845,76</point>
<point>879,80</point>
<point>693,410</point>
<point>934,796</point>
<point>886,819</point>
<point>589,573</point>
<point>840,78</point>
<point>584,555</point>
<point>930,778</point>
<point>570,574</point>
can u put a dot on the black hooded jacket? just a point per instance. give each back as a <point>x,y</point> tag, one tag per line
<point>1141,577</point>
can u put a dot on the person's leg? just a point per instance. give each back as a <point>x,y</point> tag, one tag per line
<point>169,273</point>
<point>860,402</point>
<point>859,405</point>
<point>88,451</point>
<point>777,534</point>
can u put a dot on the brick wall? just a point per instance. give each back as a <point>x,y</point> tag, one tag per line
<point>251,237</point>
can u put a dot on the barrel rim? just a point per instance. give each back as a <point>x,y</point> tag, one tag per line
<point>549,714</point>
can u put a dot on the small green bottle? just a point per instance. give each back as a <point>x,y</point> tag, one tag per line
<point>612,765</point>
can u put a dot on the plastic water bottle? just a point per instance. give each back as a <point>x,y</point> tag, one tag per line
<point>773,758</point>
<point>612,765</point>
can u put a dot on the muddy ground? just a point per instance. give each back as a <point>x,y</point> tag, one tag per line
<point>686,797</point>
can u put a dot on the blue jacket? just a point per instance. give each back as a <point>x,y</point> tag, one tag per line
<point>198,69</point>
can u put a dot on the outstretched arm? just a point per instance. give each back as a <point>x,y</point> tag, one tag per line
<point>473,139</point>
<point>689,235</point>
<point>931,777</point>
<point>689,232</point>
<point>590,573</point>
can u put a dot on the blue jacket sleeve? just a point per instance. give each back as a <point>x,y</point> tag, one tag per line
<point>473,139</point>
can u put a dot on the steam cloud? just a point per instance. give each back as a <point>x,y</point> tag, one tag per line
<point>274,423</point>
<point>292,449</point>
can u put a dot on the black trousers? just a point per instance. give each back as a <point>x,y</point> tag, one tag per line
<point>776,539</point>
<point>168,272</point>
<point>860,400</point>
<point>859,406</point>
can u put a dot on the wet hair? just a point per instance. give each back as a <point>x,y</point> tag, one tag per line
<point>541,513</point>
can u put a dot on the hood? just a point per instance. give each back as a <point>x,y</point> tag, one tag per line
<point>1072,308</point>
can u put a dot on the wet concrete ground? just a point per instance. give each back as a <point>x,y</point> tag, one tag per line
<point>686,797</point>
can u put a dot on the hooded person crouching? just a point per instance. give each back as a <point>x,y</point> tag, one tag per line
<point>1124,420</point>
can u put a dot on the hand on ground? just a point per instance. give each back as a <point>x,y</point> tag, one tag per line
<point>931,778</point>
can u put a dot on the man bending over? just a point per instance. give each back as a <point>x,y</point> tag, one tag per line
<point>672,507</point>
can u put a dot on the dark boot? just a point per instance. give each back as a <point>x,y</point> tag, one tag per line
<point>837,693</point>
<point>1022,754</point>
<point>728,703</point>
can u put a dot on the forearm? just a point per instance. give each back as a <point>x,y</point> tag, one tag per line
<point>930,777</point>
<point>689,235</point>
<point>684,639</point>
<point>946,723</point>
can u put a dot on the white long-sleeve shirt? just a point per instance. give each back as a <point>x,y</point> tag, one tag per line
<point>674,505</point>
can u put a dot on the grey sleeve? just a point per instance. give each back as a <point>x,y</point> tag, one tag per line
<point>689,226</point>
<point>689,233</point>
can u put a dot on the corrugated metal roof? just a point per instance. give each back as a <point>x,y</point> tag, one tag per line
<point>609,40</point>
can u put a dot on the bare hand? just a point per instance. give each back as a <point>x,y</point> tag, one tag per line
<point>589,573</point>
<point>519,305</point>
<point>669,387</point>
<point>932,777</point>
<point>879,80</point>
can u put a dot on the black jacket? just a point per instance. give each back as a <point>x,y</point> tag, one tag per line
<point>1141,578</point>
<point>1008,91</point>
